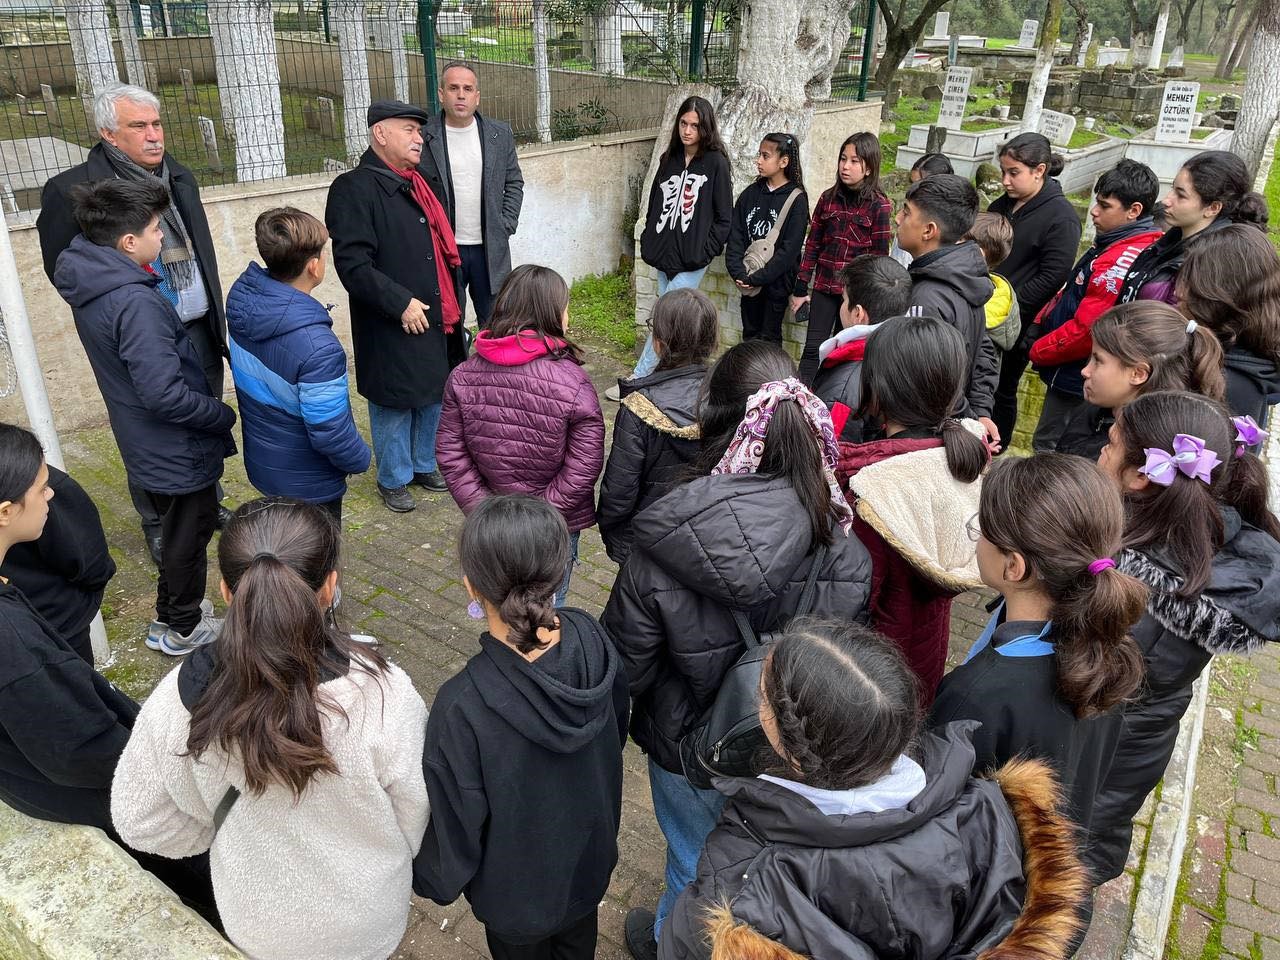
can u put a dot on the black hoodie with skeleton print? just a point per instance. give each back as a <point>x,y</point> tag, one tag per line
<point>689,210</point>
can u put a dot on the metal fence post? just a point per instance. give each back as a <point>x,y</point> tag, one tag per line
<point>868,48</point>
<point>697,26</point>
<point>427,44</point>
<point>324,20</point>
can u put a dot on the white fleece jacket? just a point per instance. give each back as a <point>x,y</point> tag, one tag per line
<point>326,877</point>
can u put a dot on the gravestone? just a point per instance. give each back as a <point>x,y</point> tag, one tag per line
<point>324,107</point>
<point>908,60</point>
<point>942,24</point>
<point>936,139</point>
<point>1177,111</point>
<point>188,84</point>
<point>334,166</point>
<point>1027,39</point>
<point>953,49</point>
<point>1178,57</point>
<point>955,97</point>
<point>24,109</point>
<point>209,134</point>
<point>1058,127</point>
<point>152,74</point>
<point>309,118</point>
<point>50,102</point>
<point>1084,45</point>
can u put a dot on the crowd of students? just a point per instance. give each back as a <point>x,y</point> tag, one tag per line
<point>789,537</point>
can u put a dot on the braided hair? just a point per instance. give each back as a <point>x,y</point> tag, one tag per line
<point>844,702</point>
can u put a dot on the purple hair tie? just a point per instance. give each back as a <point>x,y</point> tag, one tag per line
<point>1102,563</point>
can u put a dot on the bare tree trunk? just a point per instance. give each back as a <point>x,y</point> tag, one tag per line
<point>542,75</point>
<point>348,17</point>
<point>1260,104</point>
<point>225,67</point>
<point>789,51</point>
<point>1038,84</point>
<point>901,36</point>
<point>1157,41</point>
<point>92,50</point>
<point>253,88</point>
<point>1081,11</point>
<point>606,39</point>
<point>1243,42</point>
<point>391,33</point>
<point>1239,21</point>
<point>133,67</point>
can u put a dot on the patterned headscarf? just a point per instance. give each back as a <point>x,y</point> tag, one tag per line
<point>747,447</point>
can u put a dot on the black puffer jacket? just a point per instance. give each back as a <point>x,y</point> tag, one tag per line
<point>1253,384</point>
<point>718,543</point>
<point>952,284</point>
<point>1087,430</point>
<point>1238,612</point>
<point>655,436</point>
<point>943,877</point>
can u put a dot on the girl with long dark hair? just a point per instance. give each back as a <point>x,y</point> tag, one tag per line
<point>913,375</point>
<point>779,187</point>
<point>1046,233</point>
<point>689,210</point>
<point>854,797</point>
<point>852,217</point>
<point>289,750</point>
<point>740,536</point>
<point>521,415</point>
<point>1241,305</point>
<point>1200,533</point>
<point>1048,675</point>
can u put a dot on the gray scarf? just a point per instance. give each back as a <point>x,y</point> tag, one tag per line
<point>175,249</point>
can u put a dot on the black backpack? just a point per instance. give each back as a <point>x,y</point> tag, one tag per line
<point>728,737</point>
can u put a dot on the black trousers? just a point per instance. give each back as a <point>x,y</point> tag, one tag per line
<point>475,278</point>
<point>187,523</point>
<point>575,942</point>
<point>762,318</point>
<point>1004,409</point>
<point>201,334</point>
<point>333,508</point>
<point>824,320</point>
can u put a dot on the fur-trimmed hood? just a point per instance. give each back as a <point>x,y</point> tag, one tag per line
<point>1056,881</point>
<point>1239,609</point>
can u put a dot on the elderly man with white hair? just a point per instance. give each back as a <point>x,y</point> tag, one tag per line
<point>132,148</point>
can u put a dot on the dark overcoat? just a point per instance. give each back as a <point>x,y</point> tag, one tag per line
<point>57,224</point>
<point>384,256</point>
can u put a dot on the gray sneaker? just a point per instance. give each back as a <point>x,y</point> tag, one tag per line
<point>398,499</point>
<point>157,629</point>
<point>614,393</point>
<point>205,631</point>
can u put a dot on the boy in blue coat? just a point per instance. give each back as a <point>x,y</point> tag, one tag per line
<point>173,433</point>
<point>290,370</point>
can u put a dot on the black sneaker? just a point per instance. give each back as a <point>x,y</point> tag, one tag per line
<point>224,517</point>
<point>432,481</point>
<point>638,933</point>
<point>398,500</point>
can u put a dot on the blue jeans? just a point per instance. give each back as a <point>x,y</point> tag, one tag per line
<point>686,815</point>
<point>474,271</point>
<point>648,361</point>
<point>563,592</point>
<point>404,442</point>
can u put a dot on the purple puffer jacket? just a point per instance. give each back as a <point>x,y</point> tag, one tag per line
<point>518,419</point>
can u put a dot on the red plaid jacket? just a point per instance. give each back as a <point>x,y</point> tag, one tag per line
<point>839,231</point>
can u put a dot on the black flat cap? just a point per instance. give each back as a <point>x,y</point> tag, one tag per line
<point>391,109</point>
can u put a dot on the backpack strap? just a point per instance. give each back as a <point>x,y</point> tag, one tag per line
<point>810,588</point>
<point>224,807</point>
<point>776,230</point>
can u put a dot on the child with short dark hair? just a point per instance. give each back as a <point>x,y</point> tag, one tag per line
<point>531,729</point>
<point>928,165</point>
<point>994,236</point>
<point>290,371</point>
<point>1124,197</point>
<point>764,286</point>
<point>655,434</point>
<point>173,433</point>
<point>949,279</point>
<point>875,289</point>
<point>852,800</point>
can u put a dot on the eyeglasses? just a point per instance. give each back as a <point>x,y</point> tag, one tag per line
<point>973,528</point>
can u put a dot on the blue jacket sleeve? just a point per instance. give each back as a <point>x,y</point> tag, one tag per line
<point>326,408</point>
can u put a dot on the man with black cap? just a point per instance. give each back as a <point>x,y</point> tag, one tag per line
<point>395,253</point>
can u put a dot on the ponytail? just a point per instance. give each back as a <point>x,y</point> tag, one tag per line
<point>1064,517</point>
<point>967,455</point>
<point>514,551</point>
<point>1249,491</point>
<point>1205,364</point>
<point>1177,355</point>
<point>276,645</point>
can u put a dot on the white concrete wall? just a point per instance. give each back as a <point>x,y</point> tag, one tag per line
<point>577,195</point>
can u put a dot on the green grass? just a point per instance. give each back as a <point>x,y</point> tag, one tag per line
<point>1272,193</point>
<point>602,308</point>
<point>913,110</point>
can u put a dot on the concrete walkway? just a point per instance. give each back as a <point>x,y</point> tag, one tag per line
<point>401,584</point>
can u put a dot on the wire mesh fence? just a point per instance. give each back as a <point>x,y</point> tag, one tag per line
<point>252,90</point>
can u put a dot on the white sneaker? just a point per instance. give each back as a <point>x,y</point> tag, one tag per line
<point>614,393</point>
<point>205,631</point>
<point>157,629</point>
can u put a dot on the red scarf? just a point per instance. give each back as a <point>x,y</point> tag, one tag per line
<point>446,248</point>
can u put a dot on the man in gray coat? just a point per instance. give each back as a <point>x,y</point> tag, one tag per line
<point>477,157</point>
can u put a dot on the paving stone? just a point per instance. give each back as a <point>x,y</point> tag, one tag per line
<point>1264,846</point>
<point>1194,926</point>
<point>1237,940</point>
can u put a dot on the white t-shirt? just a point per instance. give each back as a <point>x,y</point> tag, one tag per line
<point>466,170</point>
